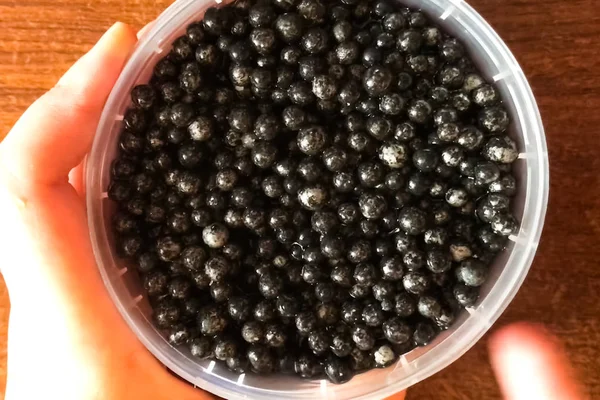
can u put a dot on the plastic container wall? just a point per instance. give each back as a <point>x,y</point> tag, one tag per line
<point>507,274</point>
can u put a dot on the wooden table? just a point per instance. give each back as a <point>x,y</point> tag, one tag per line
<point>556,43</point>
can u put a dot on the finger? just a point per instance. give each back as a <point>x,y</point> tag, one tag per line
<point>397,396</point>
<point>145,29</point>
<point>57,130</point>
<point>531,365</point>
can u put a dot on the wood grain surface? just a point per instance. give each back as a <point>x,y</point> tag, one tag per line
<point>556,43</point>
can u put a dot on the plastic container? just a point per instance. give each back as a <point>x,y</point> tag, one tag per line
<point>507,274</point>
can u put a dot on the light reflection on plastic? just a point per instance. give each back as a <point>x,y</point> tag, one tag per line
<point>240,379</point>
<point>447,12</point>
<point>211,366</point>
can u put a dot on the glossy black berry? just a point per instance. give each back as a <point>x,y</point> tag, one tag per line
<point>363,338</point>
<point>359,251</point>
<point>312,140</point>
<point>393,154</point>
<point>290,55</point>
<point>143,96</point>
<point>275,336</point>
<point>261,15</point>
<point>372,206</point>
<point>465,295</point>
<point>472,272</point>
<point>312,273</point>
<point>332,247</point>
<point>303,178</point>
<point>286,305</point>
<point>425,160</point>
<point>344,182</point>
<point>370,174</point>
<point>220,291</point>
<point>500,149</point>
<point>424,334</point>
<point>412,221</point>
<point>181,114</point>
<point>397,331</point>
<point>306,322</point>
<point>419,111</point>
<point>319,341</point>
<point>404,305</point>
<point>372,315</point>
<point>377,80</point>
<point>239,308</point>
<point>341,344</point>
<point>253,332</point>
<point>313,197</point>
<point>310,170</point>
<point>270,285</point>
<point>360,360</point>
<point>261,359</point>
<point>494,120</point>
<point>325,291</point>
<point>337,370</point>
<point>308,366</point>
<point>365,274</point>
<point>211,321</point>
<point>324,87</point>
<point>429,307</point>
<point>264,311</point>
<point>342,275</point>
<point>224,349</point>
<point>504,224</point>
<point>393,21</point>
<point>201,347</point>
<point>166,314</point>
<point>312,255</point>
<point>415,282</point>
<point>217,268</point>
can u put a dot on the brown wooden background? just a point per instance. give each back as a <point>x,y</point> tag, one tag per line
<point>556,42</point>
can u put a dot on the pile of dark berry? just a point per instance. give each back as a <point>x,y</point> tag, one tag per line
<point>312,187</point>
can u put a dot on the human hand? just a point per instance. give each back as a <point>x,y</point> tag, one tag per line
<point>66,338</point>
<point>530,364</point>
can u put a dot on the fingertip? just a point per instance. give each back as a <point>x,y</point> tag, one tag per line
<point>122,26</point>
<point>531,364</point>
<point>120,33</point>
<point>526,340</point>
<point>111,51</point>
<point>519,333</point>
<point>56,132</point>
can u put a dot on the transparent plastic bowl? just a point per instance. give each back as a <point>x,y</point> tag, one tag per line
<point>507,274</point>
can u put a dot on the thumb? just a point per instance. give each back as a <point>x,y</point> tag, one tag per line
<point>531,365</point>
<point>56,132</point>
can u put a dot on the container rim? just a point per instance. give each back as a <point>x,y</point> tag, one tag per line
<point>446,352</point>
